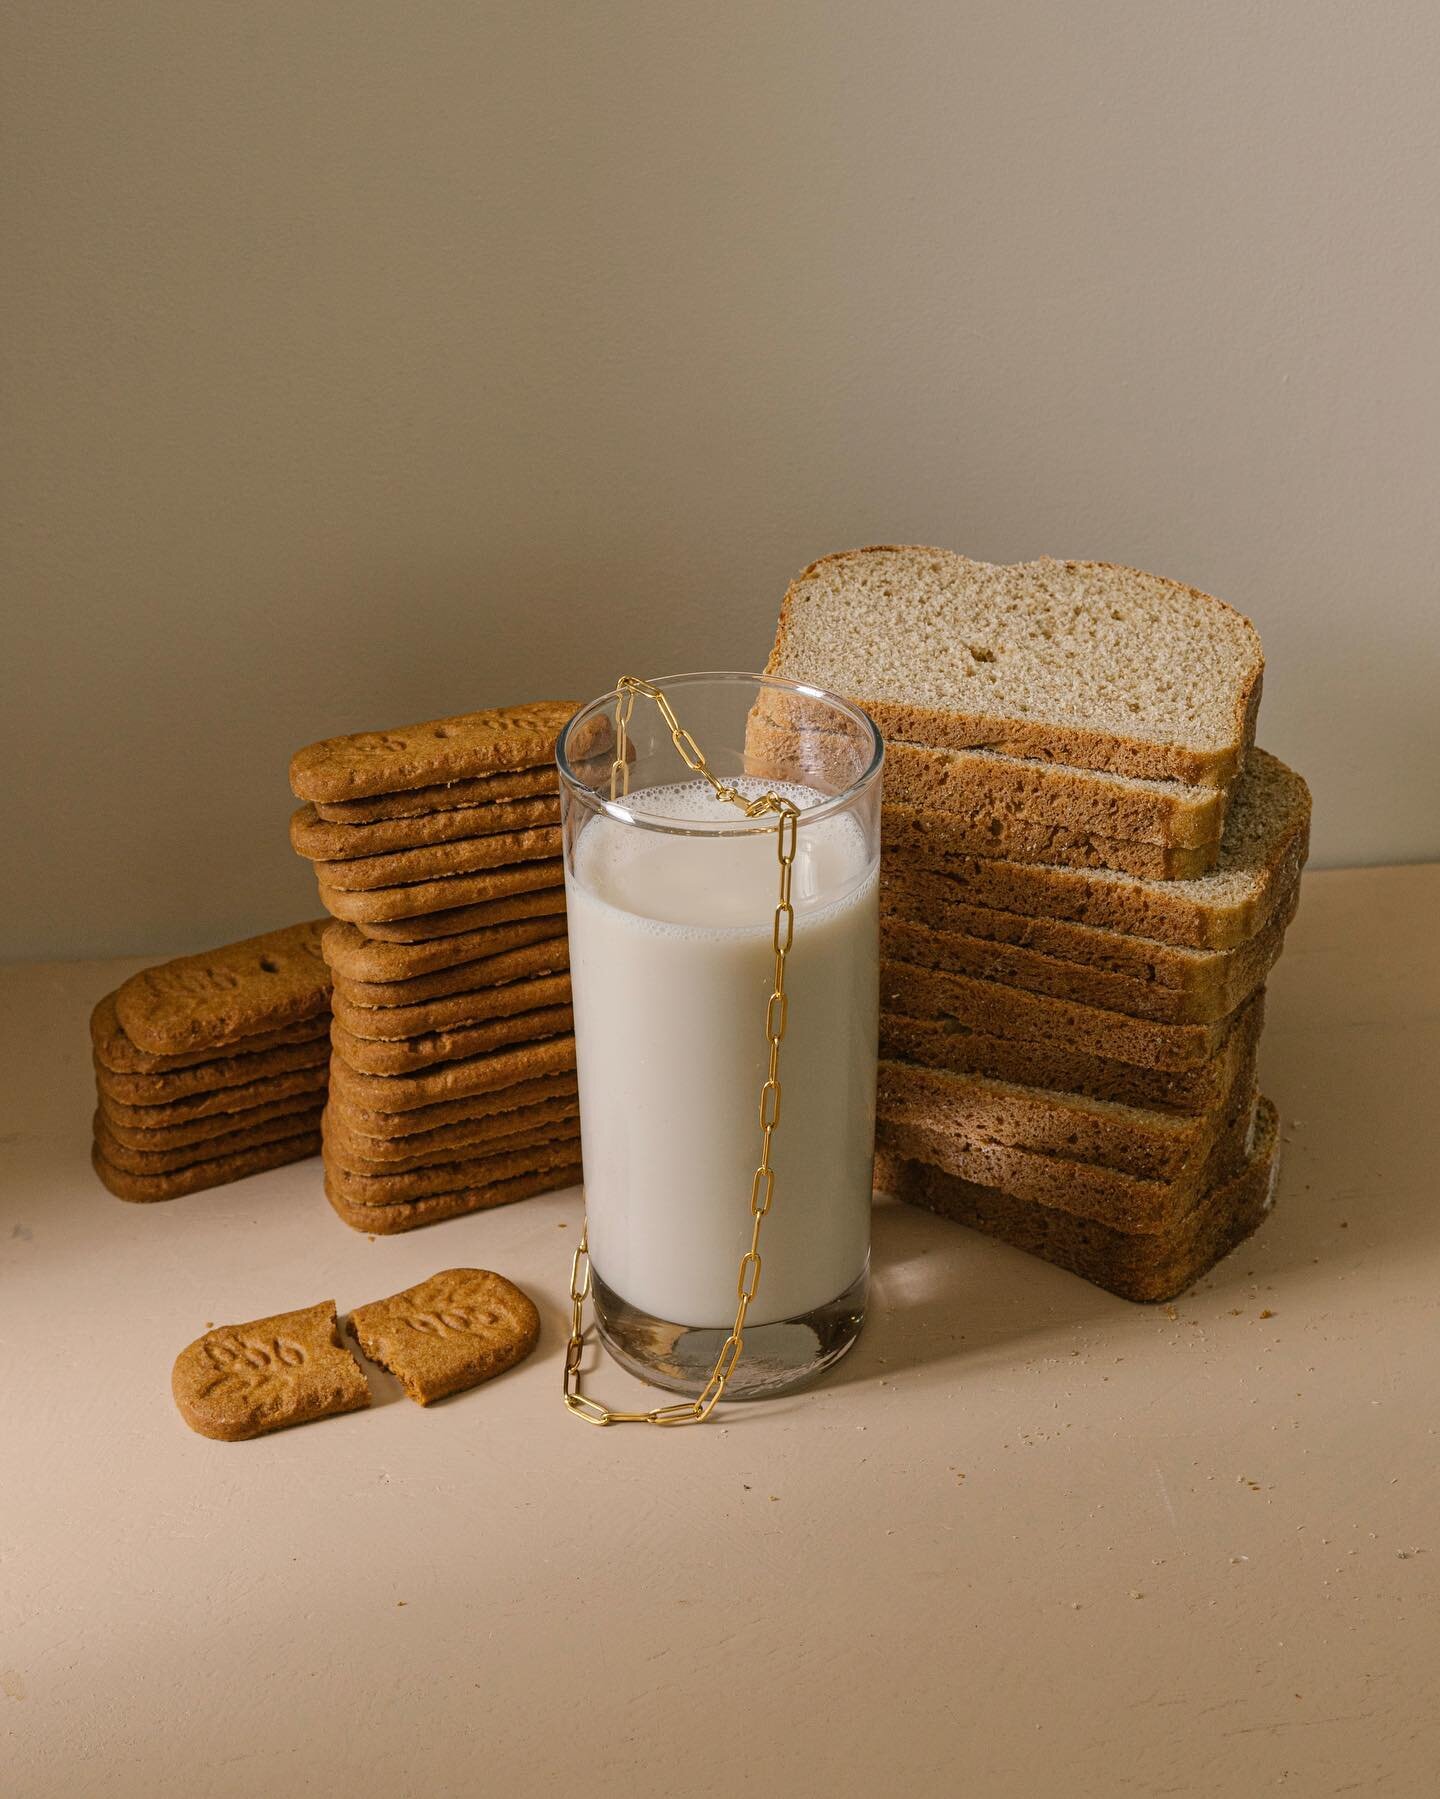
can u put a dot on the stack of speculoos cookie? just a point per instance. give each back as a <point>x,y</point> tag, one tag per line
<point>213,1066</point>
<point>452,1075</point>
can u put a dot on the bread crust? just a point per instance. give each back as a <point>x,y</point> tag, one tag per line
<point>1148,1268</point>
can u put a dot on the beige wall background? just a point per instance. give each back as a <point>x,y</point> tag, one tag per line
<point>364,362</point>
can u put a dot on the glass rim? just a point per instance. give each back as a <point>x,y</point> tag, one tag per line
<point>741,826</point>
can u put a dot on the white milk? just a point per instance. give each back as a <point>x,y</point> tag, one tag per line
<point>671,961</point>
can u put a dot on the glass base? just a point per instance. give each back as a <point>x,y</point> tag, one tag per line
<point>777,1356</point>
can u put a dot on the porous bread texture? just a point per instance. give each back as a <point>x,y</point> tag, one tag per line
<point>946,1042</point>
<point>1013,1012</point>
<point>1105,1195</point>
<point>930,900</point>
<point>1140,1266</point>
<point>911,834</point>
<point>1267,836</point>
<point>985,1113</point>
<point>1232,975</point>
<point>1084,663</point>
<point>983,784</point>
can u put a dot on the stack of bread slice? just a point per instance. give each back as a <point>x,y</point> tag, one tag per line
<point>213,1066</point>
<point>452,1077</point>
<point>1087,873</point>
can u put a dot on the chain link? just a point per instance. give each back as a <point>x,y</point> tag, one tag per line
<point>777,1016</point>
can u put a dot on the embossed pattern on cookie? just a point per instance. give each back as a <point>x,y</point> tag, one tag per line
<point>445,749</point>
<point>220,996</point>
<point>244,1380</point>
<point>452,1331</point>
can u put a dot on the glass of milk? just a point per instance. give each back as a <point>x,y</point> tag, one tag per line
<point>671,895</point>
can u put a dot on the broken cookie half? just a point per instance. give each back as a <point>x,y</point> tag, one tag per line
<point>452,1331</point>
<point>244,1380</point>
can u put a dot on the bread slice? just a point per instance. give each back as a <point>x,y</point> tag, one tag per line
<point>947,1042</point>
<point>1004,1011</point>
<point>1129,1202</point>
<point>911,834</point>
<point>1222,979</point>
<point>986,1115</point>
<point>1077,662</point>
<point>1050,1062</point>
<point>983,784</point>
<point>1083,800</point>
<point>1147,1267</point>
<point>930,900</point>
<point>1267,837</point>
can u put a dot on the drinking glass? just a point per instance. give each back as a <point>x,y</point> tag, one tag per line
<point>672,895</point>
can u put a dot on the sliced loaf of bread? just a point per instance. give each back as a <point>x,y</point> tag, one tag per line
<point>1077,662</point>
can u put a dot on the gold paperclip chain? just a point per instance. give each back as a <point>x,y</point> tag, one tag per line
<point>762,1182</point>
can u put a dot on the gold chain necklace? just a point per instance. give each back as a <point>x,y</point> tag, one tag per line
<point>762,1182</point>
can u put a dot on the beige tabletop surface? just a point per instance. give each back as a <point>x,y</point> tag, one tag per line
<point>1028,1539</point>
